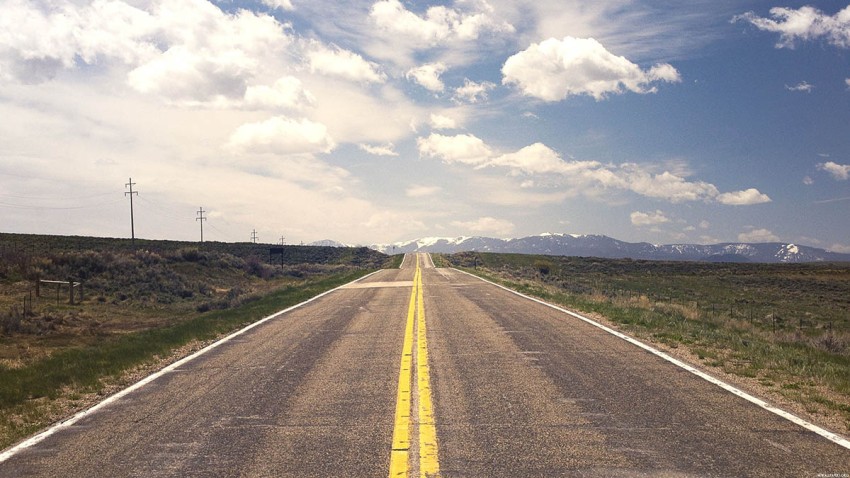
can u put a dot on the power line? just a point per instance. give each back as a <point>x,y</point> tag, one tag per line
<point>132,223</point>
<point>55,198</point>
<point>55,208</point>
<point>162,210</point>
<point>202,219</point>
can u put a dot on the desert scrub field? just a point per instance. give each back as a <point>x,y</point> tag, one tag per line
<point>139,304</point>
<point>786,326</point>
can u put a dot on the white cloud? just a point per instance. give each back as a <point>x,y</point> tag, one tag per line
<point>553,70</point>
<point>439,24</point>
<point>802,86</point>
<point>282,4</point>
<point>462,148</point>
<point>847,82</point>
<point>207,55</point>
<point>841,248</point>
<point>840,172</point>
<point>286,92</point>
<point>743,198</point>
<point>808,181</point>
<point>666,185</point>
<point>418,191</point>
<point>583,177</point>
<point>540,159</point>
<point>648,218</point>
<point>428,76</point>
<point>38,41</point>
<point>379,150</point>
<point>758,235</point>
<point>472,92</point>
<point>342,63</point>
<point>281,135</point>
<point>489,225</point>
<point>442,122</point>
<point>805,24</point>
<point>704,224</point>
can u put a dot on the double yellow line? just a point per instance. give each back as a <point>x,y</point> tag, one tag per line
<point>400,456</point>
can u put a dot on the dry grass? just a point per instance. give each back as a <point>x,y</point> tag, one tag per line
<point>783,329</point>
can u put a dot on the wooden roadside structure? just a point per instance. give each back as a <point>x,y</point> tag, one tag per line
<point>72,287</point>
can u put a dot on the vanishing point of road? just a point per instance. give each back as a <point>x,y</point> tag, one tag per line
<point>422,371</point>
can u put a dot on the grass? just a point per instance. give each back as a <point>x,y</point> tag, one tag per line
<point>786,326</point>
<point>143,302</point>
<point>27,393</point>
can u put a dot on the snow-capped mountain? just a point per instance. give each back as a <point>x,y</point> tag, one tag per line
<point>607,247</point>
<point>329,243</point>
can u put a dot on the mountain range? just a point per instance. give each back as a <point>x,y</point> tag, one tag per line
<point>607,247</point>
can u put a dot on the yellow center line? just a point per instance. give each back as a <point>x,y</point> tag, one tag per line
<point>428,453</point>
<point>401,431</point>
<point>428,459</point>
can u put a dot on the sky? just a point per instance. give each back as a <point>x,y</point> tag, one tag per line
<point>379,121</point>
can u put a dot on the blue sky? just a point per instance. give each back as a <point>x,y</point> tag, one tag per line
<point>385,120</point>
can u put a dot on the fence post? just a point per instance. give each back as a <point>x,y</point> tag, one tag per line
<point>71,291</point>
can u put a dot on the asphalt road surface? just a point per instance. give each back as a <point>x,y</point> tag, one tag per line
<point>511,388</point>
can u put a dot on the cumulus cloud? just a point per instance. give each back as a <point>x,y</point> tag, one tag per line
<point>286,92</point>
<point>418,191</point>
<point>665,185</point>
<point>442,122</point>
<point>36,43</point>
<point>342,63</point>
<point>379,150</point>
<point>472,92</point>
<point>648,218</point>
<point>281,4</point>
<point>587,177</point>
<point>840,172</point>
<point>281,135</point>
<point>804,24</point>
<point>553,70</point>
<point>439,24</point>
<point>758,235</point>
<point>540,159</point>
<point>743,198</point>
<point>428,76</point>
<point>185,52</point>
<point>489,225</point>
<point>208,55</point>
<point>462,148</point>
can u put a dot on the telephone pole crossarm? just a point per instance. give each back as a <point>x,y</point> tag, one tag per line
<point>201,218</point>
<point>132,222</point>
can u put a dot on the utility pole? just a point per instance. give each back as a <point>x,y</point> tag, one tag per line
<point>281,240</point>
<point>132,224</point>
<point>202,219</point>
<point>254,236</point>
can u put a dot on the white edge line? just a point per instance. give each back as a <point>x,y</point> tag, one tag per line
<point>35,439</point>
<point>840,440</point>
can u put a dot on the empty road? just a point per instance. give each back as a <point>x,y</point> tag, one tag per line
<point>424,371</point>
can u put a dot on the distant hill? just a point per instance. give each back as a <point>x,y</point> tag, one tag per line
<point>607,247</point>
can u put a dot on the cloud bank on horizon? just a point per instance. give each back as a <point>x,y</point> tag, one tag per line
<point>381,120</point>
